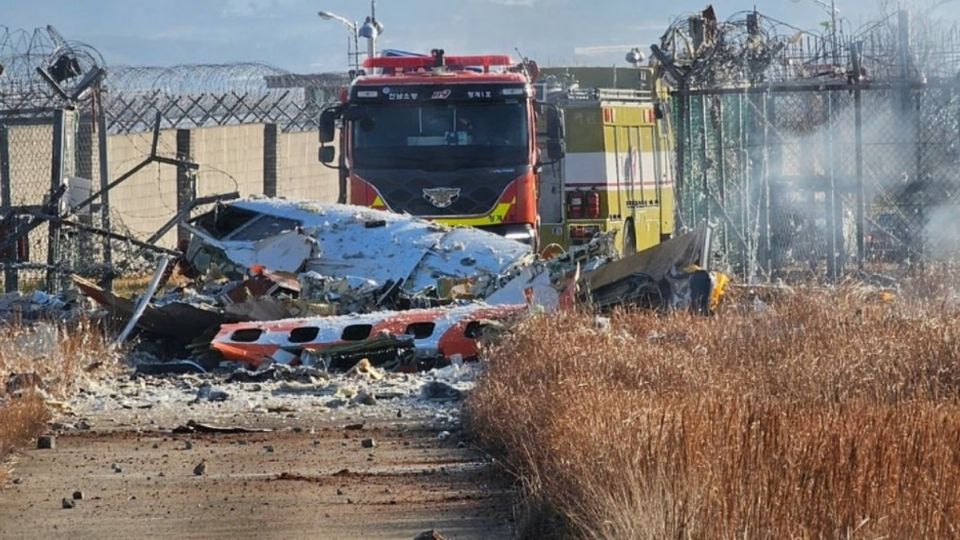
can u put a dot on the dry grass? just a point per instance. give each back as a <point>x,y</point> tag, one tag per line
<point>63,358</point>
<point>20,420</point>
<point>823,415</point>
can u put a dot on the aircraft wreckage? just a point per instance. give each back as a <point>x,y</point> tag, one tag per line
<point>330,284</point>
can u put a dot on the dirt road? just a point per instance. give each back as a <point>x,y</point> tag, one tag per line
<point>309,476</point>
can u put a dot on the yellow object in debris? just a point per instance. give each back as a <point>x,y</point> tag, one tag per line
<point>720,282</point>
<point>364,368</point>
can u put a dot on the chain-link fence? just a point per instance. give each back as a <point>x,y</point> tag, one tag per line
<point>66,208</point>
<point>27,149</point>
<point>817,154</point>
<point>49,162</point>
<point>52,152</point>
<point>206,95</point>
<point>818,179</point>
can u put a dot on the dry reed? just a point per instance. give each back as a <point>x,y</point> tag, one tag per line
<point>61,359</point>
<point>820,415</point>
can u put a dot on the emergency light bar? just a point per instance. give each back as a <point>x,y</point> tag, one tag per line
<point>427,62</point>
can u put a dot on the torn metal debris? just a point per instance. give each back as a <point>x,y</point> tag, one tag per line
<point>330,286</point>
<point>182,321</point>
<point>668,276</point>
<point>400,262</point>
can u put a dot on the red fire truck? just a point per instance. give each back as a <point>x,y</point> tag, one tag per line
<point>448,138</point>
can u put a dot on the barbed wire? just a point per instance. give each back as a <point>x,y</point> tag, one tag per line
<point>23,51</point>
<point>188,79</point>
<point>750,47</point>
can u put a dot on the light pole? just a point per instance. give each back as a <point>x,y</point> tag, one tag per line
<point>353,57</point>
<point>370,29</point>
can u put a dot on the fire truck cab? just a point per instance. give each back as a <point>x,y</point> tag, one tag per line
<point>448,138</point>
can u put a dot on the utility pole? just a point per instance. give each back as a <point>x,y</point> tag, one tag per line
<point>371,30</point>
<point>833,32</point>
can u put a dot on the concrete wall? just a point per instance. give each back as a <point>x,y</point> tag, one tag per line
<point>300,175</point>
<point>146,200</point>
<point>230,159</point>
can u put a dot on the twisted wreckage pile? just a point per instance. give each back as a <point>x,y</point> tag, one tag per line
<point>330,284</point>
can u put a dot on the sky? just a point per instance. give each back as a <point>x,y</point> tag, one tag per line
<point>288,33</point>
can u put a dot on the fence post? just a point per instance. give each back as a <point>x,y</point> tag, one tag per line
<point>832,222</point>
<point>270,148</point>
<point>765,179</point>
<point>107,282</point>
<point>56,178</point>
<point>861,202</point>
<point>705,164</point>
<point>678,186</point>
<point>10,274</point>
<point>722,176</point>
<point>744,172</point>
<point>922,181</point>
<point>690,206</point>
<point>186,186</point>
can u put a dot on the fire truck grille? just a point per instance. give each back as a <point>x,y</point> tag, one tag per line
<point>434,194</point>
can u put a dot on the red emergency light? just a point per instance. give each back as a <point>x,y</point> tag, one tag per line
<point>427,62</point>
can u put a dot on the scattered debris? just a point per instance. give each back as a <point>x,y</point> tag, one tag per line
<point>159,274</point>
<point>208,393</point>
<point>38,305</point>
<point>364,397</point>
<point>364,369</point>
<point>173,367</point>
<point>278,372</point>
<point>19,382</point>
<point>665,277</point>
<point>46,442</point>
<point>67,504</point>
<point>440,391</point>
<point>196,427</point>
<point>181,320</point>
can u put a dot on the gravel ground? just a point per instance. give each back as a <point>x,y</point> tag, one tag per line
<point>341,456</point>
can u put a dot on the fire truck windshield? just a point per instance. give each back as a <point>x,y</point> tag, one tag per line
<point>437,136</point>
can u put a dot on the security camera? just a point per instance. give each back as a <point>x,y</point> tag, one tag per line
<point>635,56</point>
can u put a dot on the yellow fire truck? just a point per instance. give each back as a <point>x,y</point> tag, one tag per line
<point>617,174</point>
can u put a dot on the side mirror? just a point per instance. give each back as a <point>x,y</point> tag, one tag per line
<point>555,128</point>
<point>328,128</point>
<point>556,149</point>
<point>326,154</point>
